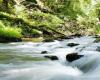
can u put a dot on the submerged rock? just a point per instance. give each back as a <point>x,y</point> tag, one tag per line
<point>72,44</point>
<point>44,52</point>
<point>73,56</point>
<point>98,49</point>
<point>51,57</point>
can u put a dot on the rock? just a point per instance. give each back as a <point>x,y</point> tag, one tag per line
<point>70,37</point>
<point>63,37</point>
<point>51,57</point>
<point>98,49</point>
<point>97,40</point>
<point>44,52</point>
<point>73,56</point>
<point>77,35</point>
<point>96,36</point>
<point>73,36</point>
<point>72,44</point>
<point>6,40</point>
<point>48,40</point>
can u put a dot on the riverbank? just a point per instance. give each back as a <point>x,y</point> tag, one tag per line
<point>43,39</point>
<point>33,19</point>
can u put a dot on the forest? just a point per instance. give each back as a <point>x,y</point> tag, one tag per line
<point>26,19</point>
<point>49,39</point>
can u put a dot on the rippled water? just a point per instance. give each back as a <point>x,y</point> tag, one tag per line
<point>24,61</point>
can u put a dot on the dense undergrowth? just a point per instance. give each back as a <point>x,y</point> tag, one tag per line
<point>9,32</point>
<point>54,18</point>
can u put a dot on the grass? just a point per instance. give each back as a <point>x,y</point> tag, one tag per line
<point>9,32</point>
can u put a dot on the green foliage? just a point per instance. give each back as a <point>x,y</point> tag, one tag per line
<point>89,20</point>
<point>21,11</point>
<point>80,16</point>
<point>97,29</point>
<point>46,19</point>
<point>54,5</point>
<point>9,32</point>
<point>1,25</point>
<point>72,8</point>
<point>68,8</point>
<point>7,5</point>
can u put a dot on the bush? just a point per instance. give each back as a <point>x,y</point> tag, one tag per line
<point>9,32</point>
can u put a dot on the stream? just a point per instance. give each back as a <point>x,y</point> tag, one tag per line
<point>29,60</point>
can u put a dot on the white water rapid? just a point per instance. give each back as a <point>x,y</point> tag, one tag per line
<point>24,61</point>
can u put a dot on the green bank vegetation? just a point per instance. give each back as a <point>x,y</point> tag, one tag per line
<point>52,18</point>
<point>9,32</point>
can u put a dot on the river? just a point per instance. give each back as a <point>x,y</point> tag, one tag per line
<point>24,61</point>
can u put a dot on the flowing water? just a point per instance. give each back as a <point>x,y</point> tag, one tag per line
<point>24,61</point>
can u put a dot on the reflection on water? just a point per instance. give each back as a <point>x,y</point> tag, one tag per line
<point>24,61</point>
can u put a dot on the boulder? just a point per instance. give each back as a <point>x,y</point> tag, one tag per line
<point>72,44</point>
<point>73,56</point>
<point>98,49</point>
